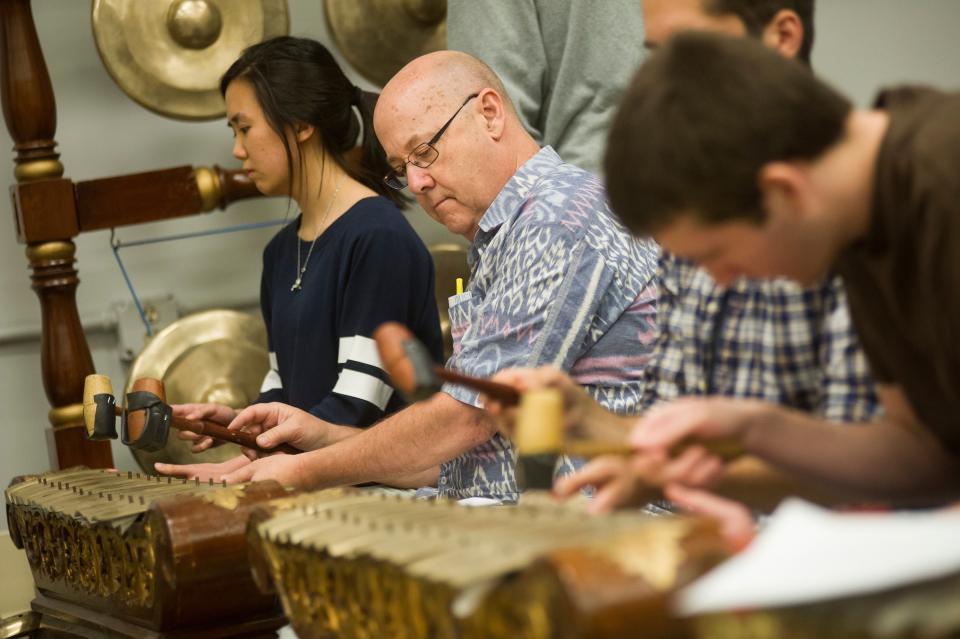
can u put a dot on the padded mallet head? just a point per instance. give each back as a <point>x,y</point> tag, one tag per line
<point>99,408</point>
<point>538,437</point>
<point>406,361</point>
<point>146,418</point>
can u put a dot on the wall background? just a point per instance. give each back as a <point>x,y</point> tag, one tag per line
<point>860,45</point>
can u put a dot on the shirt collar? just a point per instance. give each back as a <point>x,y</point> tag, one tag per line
<point>504,206</point>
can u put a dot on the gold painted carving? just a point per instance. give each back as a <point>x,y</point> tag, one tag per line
<point>358,564</point>
<point>90,530</point>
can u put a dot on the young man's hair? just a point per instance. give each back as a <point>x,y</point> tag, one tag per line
<point>700,119</point>
<point>757,14</point>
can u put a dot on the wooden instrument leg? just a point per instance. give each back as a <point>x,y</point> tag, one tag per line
<point>75,621</point>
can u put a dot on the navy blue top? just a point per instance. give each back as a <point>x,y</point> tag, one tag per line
<point>367,268</point>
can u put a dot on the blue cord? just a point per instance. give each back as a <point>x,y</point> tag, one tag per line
<point>187,236</point>
<point>116,245</point>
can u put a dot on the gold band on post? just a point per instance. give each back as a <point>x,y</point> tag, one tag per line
<point>209,186</point>
<point>38,170</point>
<point>59,250</point>
<point>69,416</point>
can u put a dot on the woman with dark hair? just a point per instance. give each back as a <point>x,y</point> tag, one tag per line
<point>349,261</point>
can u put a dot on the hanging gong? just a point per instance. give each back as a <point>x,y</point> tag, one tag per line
<point>215,356</point>
<point>169,55</point>
<point>378,37</point>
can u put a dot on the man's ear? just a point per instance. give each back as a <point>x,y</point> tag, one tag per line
<point>304,132</point>
<point>493,110</point>
<point>784,190</point>
<point>784,33</point>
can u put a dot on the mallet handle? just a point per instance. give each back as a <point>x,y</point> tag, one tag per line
<point>222,433</point>
<point>501,392</point>
<point>725,449</point>
<point>596,448</point>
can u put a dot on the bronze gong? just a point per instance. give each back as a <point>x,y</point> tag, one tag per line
<point>378,37</point>
<point>169,55</point>
<point>215,356</point>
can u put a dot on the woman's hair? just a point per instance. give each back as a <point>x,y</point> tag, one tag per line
<point>297,81</point>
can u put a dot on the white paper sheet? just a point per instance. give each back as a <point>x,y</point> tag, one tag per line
<point>807,554</point>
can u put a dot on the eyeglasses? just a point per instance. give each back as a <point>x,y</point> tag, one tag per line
<point>422,156</point>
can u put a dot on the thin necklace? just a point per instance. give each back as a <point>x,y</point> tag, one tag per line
<point>303,269</point>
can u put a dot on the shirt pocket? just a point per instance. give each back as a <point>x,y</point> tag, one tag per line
<point>460,307</point>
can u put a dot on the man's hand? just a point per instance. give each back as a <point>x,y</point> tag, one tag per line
<point>285,469</point>
<point>633,481</point>
<point>584,418</point>
<point>203,472</point>
<point>614,482</point>
<point>211,412</point>
<point>695,419</point>
<point>735,521</point>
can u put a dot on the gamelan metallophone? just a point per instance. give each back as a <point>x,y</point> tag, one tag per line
<point>140,556</point>
<point>351,564</point>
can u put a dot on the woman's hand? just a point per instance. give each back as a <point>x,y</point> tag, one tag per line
<point>217,413</point>
<point>275,423</point>
<point>203,472</point>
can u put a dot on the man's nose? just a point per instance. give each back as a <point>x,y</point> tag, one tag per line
<point>419,180</point>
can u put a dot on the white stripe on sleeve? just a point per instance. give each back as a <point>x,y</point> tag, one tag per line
<point>359,349</point>
<point>362,386</point>
<point>271,380</point>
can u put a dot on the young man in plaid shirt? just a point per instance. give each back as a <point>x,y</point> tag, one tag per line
<point>768,340</point>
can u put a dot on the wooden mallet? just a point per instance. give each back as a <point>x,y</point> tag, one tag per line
<point>146,419</point>
<point>417,376</point>
<point>539,434</point>
<point>540,439</point>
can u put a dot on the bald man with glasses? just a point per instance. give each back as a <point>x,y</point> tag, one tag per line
<point>555,280</point>
<point>423,155</point>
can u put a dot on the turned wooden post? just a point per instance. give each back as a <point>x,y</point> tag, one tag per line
<point>50,210</point>
<point>30,114</point>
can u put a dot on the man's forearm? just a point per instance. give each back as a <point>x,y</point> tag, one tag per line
<point>762,486</point>
<point>335,433</point>
<point>409,443</point>
<point>877,460</point>
<point>415,480</point>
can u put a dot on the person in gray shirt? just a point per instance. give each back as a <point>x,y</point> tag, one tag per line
<point>565,63</point>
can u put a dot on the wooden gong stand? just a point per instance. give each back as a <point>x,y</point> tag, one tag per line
<point>51,210</point>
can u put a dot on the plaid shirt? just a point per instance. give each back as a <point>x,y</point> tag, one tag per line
<point>769,340</point>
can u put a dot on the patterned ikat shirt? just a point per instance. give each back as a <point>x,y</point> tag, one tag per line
<point>555,280</point>
<point>769,340</point>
